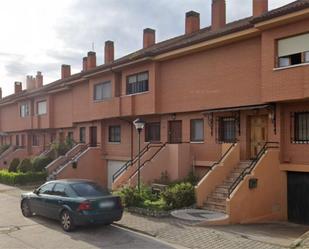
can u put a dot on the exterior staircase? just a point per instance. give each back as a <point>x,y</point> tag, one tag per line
<point>216,201</point>
<point>62,161</point>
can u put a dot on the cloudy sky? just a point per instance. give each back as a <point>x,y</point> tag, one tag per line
<point>41,35</point>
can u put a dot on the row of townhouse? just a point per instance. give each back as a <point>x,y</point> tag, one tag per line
<point>229,101</point>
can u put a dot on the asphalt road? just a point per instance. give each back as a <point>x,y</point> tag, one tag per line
<point>39,233</point>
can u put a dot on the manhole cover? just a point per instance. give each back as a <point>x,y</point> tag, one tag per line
<point>6,230</point>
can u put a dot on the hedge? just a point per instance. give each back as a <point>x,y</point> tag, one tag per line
<point>13,178</point>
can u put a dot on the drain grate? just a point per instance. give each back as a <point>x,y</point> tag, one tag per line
<point>10,229</point>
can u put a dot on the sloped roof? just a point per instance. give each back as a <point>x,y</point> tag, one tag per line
<point>181,41</point>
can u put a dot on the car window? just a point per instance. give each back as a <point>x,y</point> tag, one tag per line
<point>89,189</point>
<point>59,189</point>
<point>69,191</point>
<point>46,189</point>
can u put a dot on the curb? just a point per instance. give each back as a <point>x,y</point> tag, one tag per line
<point>298,242</point>
<point>134,229</point>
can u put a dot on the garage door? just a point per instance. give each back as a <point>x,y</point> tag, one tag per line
<point>112,167</point>
<point>298,197</point>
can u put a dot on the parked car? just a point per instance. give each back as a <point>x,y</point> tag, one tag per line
<point>73,202</point>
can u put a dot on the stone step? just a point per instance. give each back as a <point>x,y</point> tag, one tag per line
<point>215,207</point>
<point>221,189</point>
<point>234,174</point>
<point>216,199</point>
<point>237,170</point>
<point>219,193</point>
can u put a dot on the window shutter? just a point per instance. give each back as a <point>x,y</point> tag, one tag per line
<point>293,45</point>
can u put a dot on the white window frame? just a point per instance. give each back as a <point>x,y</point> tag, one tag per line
<point>24,110</point>
<point>100,87</point>
<point>42,111</point>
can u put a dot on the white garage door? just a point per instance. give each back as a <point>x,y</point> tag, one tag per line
<point>112,167</point>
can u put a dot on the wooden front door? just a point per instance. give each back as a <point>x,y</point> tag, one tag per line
<point>93,136</point>
<point>175,132</point>
<point>258,134</point>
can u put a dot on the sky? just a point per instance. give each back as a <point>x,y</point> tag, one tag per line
<point>40,35</point>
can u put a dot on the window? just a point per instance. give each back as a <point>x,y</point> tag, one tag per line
<point>35,140</point>
<point>307,56</point>
<point>114,135</point>
<point>89,190</point>
<point>82,134</point>
<point>301,127</point>
<point>137,83</point>
<point>46,189</point>
<point>24,110</point>
<point>227,129</point>
<point>41,107</point>
<point>70,135</point>
<point>152,132</point>
<point>197,130</point>
<point>103,91</point>
<point>59,190</point>
<point>17,140</point>
<point>293,50</point>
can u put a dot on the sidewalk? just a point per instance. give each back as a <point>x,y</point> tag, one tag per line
<point>185,233</point>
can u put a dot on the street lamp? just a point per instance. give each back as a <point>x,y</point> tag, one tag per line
<point>139,125</point>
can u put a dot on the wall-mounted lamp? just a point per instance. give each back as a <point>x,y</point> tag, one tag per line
<point>173,116</point>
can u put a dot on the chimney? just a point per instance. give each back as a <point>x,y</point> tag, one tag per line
<point>149,37</point>
<point>65,71</point>
<point>259,7</point>
<point>0,93</point>
<point>30,82</point>
<point>192,22</point>
<point>85,64</point>
<point>91,60</point>
<point>109,52</point>
<point>218,15</point>
<point>38,80</point>
<point>18,87</point>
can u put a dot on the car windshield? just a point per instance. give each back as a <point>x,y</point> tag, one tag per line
<point>89,189</point>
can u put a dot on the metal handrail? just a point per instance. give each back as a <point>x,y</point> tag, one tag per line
<point>253,163</point>
<point>219,161</point>
<point>148,160</point>
<point>223,156</point>
<point>132,161</point>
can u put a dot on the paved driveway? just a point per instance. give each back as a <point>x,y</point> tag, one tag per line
<point>22,233</point>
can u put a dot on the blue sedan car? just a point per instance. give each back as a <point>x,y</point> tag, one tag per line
<point>73,202</point>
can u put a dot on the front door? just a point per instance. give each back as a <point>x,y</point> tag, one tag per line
<point>258,134</point>
<point>175,132</point>
<point>93,136</point>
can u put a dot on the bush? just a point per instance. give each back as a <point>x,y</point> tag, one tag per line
<point>13,178</point>
<point>178,196</point>
<point>61,148</point>
<point>130,197</point>
<point>13,165</point>
<point>156,205</point>
<point>39,163</point>
<point>25,166</point>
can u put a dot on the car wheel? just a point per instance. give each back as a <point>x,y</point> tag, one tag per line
<point>25,209</point>
<point>66,221</point>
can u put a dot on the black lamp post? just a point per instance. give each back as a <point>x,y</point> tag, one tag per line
<point>139,125</point>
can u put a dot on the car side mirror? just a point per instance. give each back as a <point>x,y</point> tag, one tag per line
<point>36,191</point>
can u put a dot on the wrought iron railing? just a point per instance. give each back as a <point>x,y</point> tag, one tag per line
<point>161,146</point>
<point>253,163</point>
<point>134,160</point>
